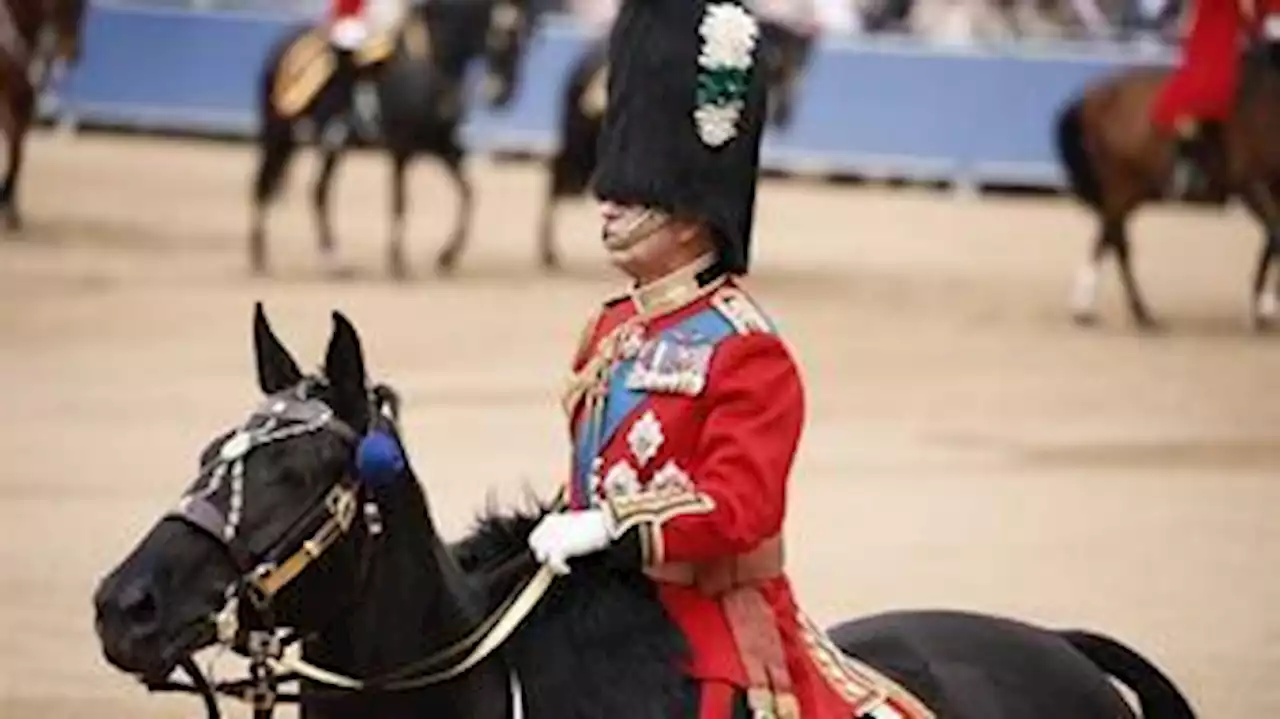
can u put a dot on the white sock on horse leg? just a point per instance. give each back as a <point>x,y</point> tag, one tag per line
<point>1268,305</point>
<point>1084,295</point>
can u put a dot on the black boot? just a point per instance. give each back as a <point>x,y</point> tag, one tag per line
<point>1191,165</point>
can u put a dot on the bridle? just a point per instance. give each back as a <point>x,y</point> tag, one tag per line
<point>263,575</point>
<point>321,525</point>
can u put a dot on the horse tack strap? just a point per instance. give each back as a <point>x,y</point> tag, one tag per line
<point>341,505</point>
<point>200,513</point>
<point>509,618</point>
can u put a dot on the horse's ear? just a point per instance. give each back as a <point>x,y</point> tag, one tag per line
<point>276,368</point>
<point>344,368</point>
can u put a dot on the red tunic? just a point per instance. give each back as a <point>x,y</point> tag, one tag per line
<point>339,9</point>
<point>1204,85</point>
<point>697,438</point>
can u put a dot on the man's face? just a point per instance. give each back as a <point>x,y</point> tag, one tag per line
<point>644,243</point>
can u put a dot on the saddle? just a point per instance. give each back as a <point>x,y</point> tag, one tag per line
<point>310,61</point>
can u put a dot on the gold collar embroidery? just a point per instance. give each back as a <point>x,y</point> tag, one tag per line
<point>662,296</point>
<point>675,290</point>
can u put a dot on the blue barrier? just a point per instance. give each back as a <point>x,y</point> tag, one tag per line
<point>892,108</point>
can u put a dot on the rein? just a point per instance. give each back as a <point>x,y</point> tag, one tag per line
<point>283,417</point>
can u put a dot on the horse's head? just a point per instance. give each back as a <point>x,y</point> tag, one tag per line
<point>511,24</point>
<point>274,496</point>
<point>784,56</point>
<point>66,19</point>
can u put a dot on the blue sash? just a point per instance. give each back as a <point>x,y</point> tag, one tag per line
<point>597,426</point>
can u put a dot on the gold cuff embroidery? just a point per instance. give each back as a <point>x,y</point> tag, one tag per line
<point>649,510</point>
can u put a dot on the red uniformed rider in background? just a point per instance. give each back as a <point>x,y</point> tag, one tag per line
<point>1201,93</point>
<point>351,24</point>
<point>685,405</point>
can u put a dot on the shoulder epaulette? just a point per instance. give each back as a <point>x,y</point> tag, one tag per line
<point>741,311</point>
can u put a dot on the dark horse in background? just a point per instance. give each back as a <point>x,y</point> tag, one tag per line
<point>1116,161</point>
<point>784,54</point>
<point>34,34</point>
<point>380,590</point>
<point>420,74</point>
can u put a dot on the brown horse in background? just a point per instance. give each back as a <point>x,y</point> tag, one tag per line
<point>34,34</point>
<point>1116,160</point>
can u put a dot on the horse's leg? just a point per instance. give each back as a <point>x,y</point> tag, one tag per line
<point>320,194</point>
<point>396,264</point>
<point>546,232</point>
<point>462,228</point>
<point>560,185</point>
<point>22,107</point>
<point>1266,304</point>
<point>1263,305</point>
<point>1117,235</point>
<point>276,147</point>
<point>1084,293</point>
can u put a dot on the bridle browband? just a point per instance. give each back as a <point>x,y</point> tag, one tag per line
<point>280,418</point>
<point>262,576</point>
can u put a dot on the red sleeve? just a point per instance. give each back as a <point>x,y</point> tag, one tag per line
<point>755,413</point>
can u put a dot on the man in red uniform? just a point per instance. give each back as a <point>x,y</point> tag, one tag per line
<point>351,25</point>
<point>1201,93</point>
<point>347,27</point>
<point>685,405</point>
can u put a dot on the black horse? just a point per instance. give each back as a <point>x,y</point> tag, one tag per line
<point>273,521</point>
<point>784,53</point>
<point>421,90</point>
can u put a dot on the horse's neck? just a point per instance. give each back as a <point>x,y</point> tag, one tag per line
<point>415,602</point>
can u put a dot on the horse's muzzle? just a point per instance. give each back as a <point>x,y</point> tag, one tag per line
<point>128,623</point>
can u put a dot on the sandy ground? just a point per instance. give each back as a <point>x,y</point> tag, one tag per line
<point>967,446</point>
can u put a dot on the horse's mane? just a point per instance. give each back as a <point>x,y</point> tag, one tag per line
<point>599,643</point>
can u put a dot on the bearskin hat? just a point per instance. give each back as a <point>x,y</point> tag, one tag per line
<point>685,115</point>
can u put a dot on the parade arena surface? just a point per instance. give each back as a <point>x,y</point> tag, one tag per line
<point>967,446</point>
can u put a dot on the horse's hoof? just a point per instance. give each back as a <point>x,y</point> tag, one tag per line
<point>340,271</point>
<point>13,222</point>
<point>1264,312</point>
<point>1148,324</point>
<point>550,262</point>
<point>398,270</point>
<point>446,262</point>
<point>335,268</point>
<point>1084,319</point>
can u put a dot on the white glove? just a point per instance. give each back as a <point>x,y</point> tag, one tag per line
<point>563,536</point>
